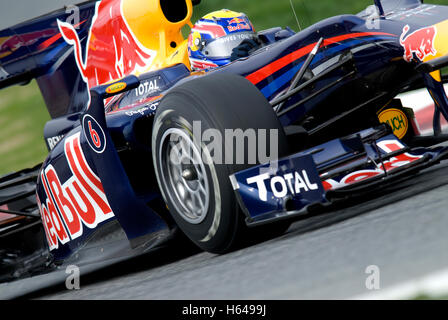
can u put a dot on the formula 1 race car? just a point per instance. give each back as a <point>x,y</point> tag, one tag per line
<point>141,145</point>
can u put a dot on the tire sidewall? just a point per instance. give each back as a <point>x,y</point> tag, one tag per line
<point>217,224</point>
<point>219,102</point>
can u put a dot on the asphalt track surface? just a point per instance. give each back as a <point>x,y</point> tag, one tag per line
<point>403,231</point>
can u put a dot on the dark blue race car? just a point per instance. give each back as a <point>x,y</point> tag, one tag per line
<point>142,146</point>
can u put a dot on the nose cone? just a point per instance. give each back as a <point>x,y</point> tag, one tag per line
<point>157,25</point>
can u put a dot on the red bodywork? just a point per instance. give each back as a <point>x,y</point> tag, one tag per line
<point>113,51</point>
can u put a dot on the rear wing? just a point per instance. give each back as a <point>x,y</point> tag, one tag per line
<point>35,49</point>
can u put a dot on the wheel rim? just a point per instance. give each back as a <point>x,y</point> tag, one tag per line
<point>183,175</point>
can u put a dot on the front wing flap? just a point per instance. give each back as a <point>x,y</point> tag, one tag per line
<point>322,175</point>
<point>283,187</point>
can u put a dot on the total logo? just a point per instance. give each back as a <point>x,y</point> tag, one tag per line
<point>68,208</point>
<point>282,185</point>
<point>147,87</point>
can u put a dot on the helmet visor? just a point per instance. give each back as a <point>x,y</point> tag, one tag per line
<point>222,47</point>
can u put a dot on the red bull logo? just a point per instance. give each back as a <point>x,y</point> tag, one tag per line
<point>238,24</point>
<point>420,42</point>
<point>9,45</point>
<point>112,51</point>
<point>236,21</point>
<point>69,208</point>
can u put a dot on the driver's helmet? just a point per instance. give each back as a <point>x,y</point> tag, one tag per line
<point>214,36</point>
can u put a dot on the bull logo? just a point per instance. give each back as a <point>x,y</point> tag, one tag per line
<point>9,45</point>
<point>113,51</point>
<point>238,24</point>
<point>236,21</point>
<point>420,42</point>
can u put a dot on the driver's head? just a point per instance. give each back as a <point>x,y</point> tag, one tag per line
<point>214,36</point>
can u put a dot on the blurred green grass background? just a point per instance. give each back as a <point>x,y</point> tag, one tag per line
<point>271,13</point>
<point>22,118</point>
<point>22,109</point>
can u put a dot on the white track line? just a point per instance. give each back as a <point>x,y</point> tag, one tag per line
<point>433,286</point>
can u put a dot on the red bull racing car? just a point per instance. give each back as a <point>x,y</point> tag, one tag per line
<point>146,145</point>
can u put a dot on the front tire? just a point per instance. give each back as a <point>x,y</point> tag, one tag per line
<point>196,187</point>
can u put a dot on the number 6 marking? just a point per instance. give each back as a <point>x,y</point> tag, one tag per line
<point>94,134</point>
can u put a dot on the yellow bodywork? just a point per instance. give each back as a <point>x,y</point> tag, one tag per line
<point>224,13</point>
<point>156,32</point>
<point>441,45</point>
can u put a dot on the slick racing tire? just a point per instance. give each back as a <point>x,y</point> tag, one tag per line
<point>193,179</point>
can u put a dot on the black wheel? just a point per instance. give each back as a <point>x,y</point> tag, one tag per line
<point>193,179</point>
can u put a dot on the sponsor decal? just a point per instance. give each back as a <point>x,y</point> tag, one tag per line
<point>194,41</point>
<point>202,65</point>
<point>8,45</point>
<point>397,120</point>
<point>116,47</point>
<point>421,12</point>
<point>94,134</point>
<point>116,87</point>
<point>68,208</point>
<point>283,185</point>
<point>420,42</point>
<point>389,165</point>
<point>215,31</point>
<point>147,87</point>
<point>235,37</point>
<point>53,141</point>
<point>237,24</point>
<point>142,111</point>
